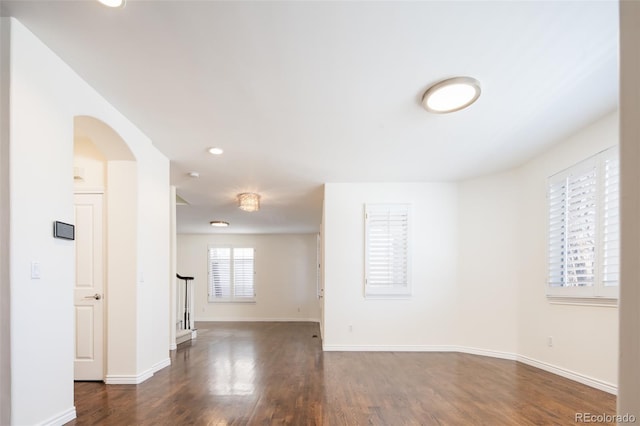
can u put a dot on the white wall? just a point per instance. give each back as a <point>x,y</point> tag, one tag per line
<point>89,158</point>
<point>5,353</point>
<point>585,338</point>
<point>121,298</point>
<point>41,191</point>
<point>45,96</point>
<point>153,260</point>
<point>428,318</point>
<point>488,263</point>
<point>285,281</point>
<point>629,387</point>
<point>173,256</point>
<point>479,271</point>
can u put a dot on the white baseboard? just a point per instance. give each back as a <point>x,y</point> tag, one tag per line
<point>128,379</point>
<point>61,418</point>
<point>162,364</point>
<point>572,375</point>
<point>146,375</point>
<point>183,336</point>
<point>232,319</point>
<point>485,352</point>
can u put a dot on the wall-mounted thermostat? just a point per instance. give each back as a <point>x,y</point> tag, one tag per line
<point>64,230</point>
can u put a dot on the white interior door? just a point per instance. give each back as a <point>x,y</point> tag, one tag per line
<point>89,288</point>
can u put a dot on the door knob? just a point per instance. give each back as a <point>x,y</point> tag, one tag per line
<point>95,296</point>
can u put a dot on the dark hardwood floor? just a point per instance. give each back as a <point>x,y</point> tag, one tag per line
<point>276,373</point>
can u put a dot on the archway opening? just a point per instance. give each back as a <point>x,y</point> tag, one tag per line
<point>106,209</point>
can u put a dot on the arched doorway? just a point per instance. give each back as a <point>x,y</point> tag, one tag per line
<point>105,194</point>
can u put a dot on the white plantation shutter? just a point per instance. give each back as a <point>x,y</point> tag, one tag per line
<point>583,233</point>
<point>387,250</point>
<point>231,274</point>
<point>611,223</point>
<point>219,273</point>
<point>557,233</point>
<point>243,273</point>
<point>581,228</point>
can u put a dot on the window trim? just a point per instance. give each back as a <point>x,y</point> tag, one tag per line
<point>596,294</point>
<point>390,291</point>
<point>231,298</point>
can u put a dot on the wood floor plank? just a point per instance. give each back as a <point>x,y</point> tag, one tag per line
<point>276,374</point>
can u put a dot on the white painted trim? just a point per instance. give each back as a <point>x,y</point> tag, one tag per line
<point>146,375</point>
<point>572,375</point>
<point>173,347</point>
<point>232,319</point>
<point>96,190</point>
<point>183,336</point>
<point>607,302</point>
<point>128,379</point>
<point>61,419</point>
<point>510,356</point>
<point>160,365</point>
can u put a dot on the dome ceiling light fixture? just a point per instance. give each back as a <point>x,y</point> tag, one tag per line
<point>113,3</point>
<point>219,224</point>
<point>216,151</point>
<point>450,95</point>
<point>249,201</point>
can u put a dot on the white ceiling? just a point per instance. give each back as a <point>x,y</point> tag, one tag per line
<point>300,93</point>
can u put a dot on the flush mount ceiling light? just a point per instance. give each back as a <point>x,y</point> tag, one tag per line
<point>112,3</point>
<point>451,95</point>
<point>219,224</point>
<point>216,151</point>
<point>249,201</point>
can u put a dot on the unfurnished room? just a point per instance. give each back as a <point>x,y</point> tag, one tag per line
<point>319,212</point>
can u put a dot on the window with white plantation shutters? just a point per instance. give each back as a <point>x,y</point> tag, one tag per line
<point>231,274</point>
<point>387,272</point>
<point>583,229</point>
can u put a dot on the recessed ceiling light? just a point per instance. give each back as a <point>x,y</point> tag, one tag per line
<point>216,151</point>
<point>451,95</point>
<point>219,224</point>
<point>112,3</point>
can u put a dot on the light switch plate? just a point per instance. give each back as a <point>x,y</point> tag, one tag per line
<point>35,270</point>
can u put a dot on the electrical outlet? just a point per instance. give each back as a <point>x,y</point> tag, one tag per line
<point>550,341</point>
<point>350,328</point>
